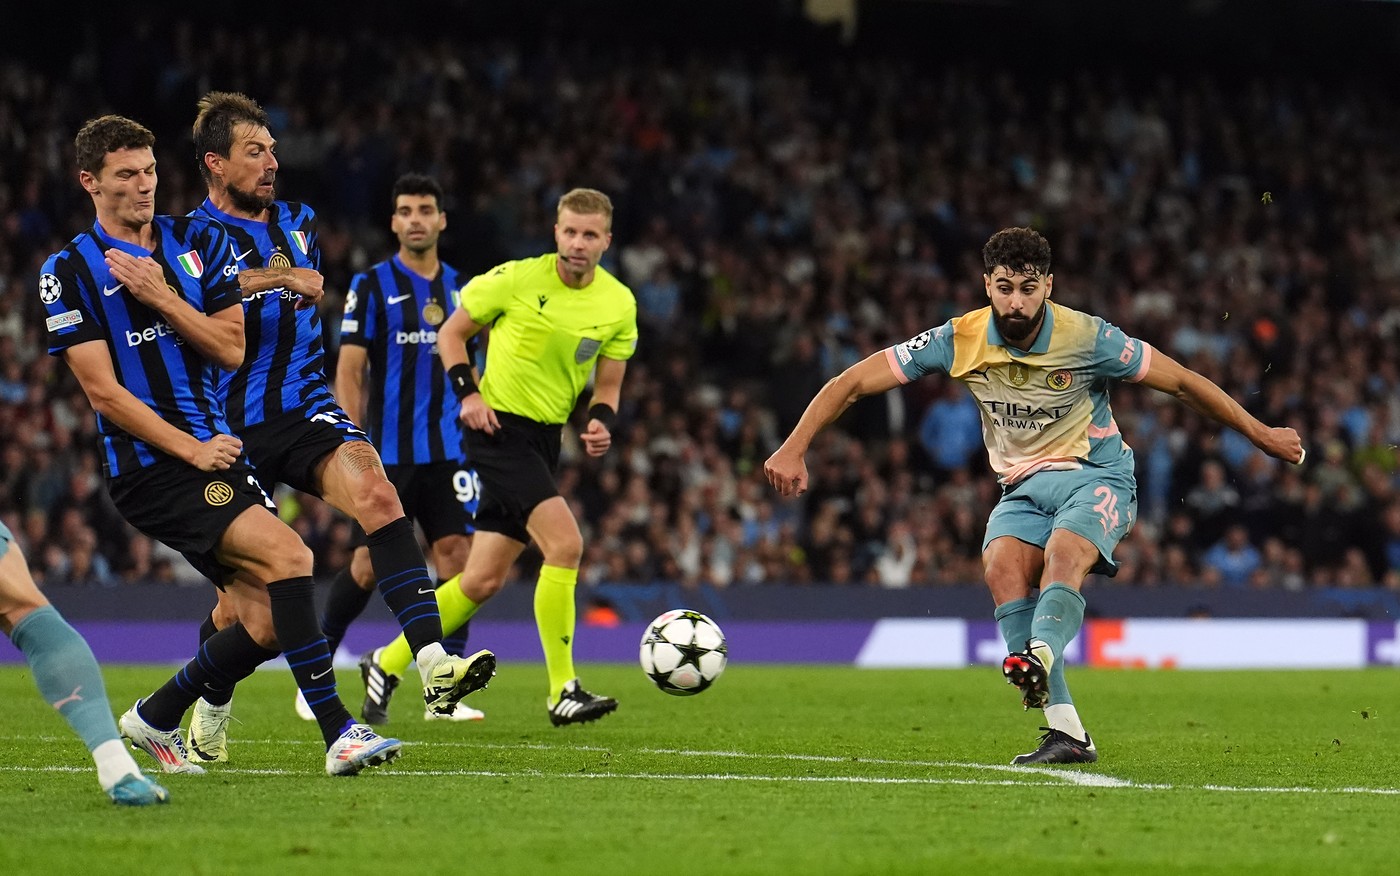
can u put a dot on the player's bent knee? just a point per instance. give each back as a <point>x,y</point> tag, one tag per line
<point>377,504</point>
<point>288,557</point>
<point>479,590</point>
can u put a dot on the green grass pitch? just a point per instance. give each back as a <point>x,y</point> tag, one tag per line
<point>775,770</point>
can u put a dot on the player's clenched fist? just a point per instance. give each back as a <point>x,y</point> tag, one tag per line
<point>787,472</point>
<point>217,454</point>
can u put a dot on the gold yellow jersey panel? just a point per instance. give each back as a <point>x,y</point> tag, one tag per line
<point>1042,408</point>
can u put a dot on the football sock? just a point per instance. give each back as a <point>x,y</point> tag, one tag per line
<point>1064,717</point>
<point>220,696</point>
<point>345,602</point>
<point>404,583</point>
<point>113,761</point>
<point>1058,616</point>
<point>223,660</point>
<point>294,619</point>
<point>66,674</point>
<point>554,616</point>
<point>1014,621</point>
<point>455,608</point>
<point>455,642</point>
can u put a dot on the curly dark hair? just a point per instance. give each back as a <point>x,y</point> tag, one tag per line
<point>1019,250</point>
<point>108,134</point>
<point>219,113</point>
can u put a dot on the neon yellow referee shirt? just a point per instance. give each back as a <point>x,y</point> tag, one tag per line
<point>545,336</point>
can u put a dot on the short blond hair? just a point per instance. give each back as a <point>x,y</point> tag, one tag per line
<point>587,202</point>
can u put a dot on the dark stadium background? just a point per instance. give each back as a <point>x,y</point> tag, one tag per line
<point>1294,99</point>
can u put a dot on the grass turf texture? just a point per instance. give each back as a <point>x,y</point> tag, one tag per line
<point>774,770</point>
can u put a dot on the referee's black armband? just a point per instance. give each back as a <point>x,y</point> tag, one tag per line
<point>603,414</point>
<point>460,376</point>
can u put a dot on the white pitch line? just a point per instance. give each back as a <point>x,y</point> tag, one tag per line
<point>739,777</point>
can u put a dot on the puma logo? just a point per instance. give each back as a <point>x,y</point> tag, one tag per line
<point>71,698</point>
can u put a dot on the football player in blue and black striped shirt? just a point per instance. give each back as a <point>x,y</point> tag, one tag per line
<point>144,309</point>
<point>281,405</point>
<point>392,312</point>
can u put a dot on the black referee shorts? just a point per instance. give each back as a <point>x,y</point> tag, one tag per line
<point>516,466</point>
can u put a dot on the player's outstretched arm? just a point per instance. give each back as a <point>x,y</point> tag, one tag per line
<point>786,469</point>
<point>218,337</point>
<point>1199,393</point>
<point>92,365</point>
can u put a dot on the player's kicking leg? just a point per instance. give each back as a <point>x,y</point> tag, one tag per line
<point>68,678</point>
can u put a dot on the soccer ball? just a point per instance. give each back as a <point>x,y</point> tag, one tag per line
<point>683,652</point>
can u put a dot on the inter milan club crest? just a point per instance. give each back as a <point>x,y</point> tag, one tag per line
<point>1060,379</point>
<point>279,260</point>
<point>432,313</point>
<point>1019,374</point>
<point>218,493</point>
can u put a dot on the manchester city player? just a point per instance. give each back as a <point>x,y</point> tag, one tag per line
<point>1040,373</point>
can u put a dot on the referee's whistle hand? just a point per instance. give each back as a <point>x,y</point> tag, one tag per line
<point>596,439</point>
<point>476,415</point>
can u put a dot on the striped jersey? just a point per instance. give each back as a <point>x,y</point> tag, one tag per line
<point>545,336</point>
<point>284,369</point>
<point>395,313</point>
<point>1045,408</point>
<point>84,302</point>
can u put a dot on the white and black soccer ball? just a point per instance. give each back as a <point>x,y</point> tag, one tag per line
<point>683,652</point>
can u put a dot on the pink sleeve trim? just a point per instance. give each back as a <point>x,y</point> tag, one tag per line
<point>894,365</point>
<point>1146,363</point>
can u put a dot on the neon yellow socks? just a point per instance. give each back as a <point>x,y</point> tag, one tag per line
<point>554,616</point>
<point>455,608</point>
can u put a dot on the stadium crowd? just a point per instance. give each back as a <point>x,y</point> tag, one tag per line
<point>779,220</point>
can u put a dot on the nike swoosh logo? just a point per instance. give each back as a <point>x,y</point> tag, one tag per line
<point>322,674</point>
<point>239,256</point>
<point>111,291</point>
<point>421,590</point>
<point>397,298</point>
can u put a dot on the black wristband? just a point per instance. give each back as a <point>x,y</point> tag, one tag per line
<point>603,414</point>
<point>460,376</point>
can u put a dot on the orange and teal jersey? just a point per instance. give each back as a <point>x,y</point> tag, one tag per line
<point>1043,409</point>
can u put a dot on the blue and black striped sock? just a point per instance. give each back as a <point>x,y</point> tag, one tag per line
<point>404,582</point>
<point>224,659</point>
<point>294,618</point>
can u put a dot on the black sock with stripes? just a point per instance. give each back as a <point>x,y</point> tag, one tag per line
<point>404,583</point>
<point>224,659</point>
<point>344,603</point>
<point>294,619</point>
<point>216,696</point>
